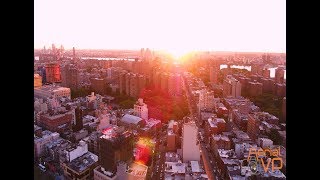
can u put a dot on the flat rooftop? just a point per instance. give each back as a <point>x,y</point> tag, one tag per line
<point>83,162</point>
<point>175,167</point>
<point>137,169</point>
<point>195,166</point>
<point>52,88</point>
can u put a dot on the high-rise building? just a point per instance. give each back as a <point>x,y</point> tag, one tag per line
<point>205,100</point>
<point>70,76</point>
<point>99,85</point>
<point>53,74</point>
<point>141,109</point>
<point>134,86</point>
<point>266,73</point>
<point>231,87</point>
<point>284,109</point>
<point>254,88</point>
<point>171,140</point>
<point>79,115</point>
<point>74,59</point>
<point>122,83</point>
<point>279,75</point>
<point>253,126</point>
<point>114,146</point>
<point>127,86</point>
<point>190,144</point>
<point>279,89</point>
<point>142,81</point>
<point>214,72</point>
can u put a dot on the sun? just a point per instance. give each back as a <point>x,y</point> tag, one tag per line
<point>177,53</point>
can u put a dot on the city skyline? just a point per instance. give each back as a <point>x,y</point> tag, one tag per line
<point>176,27</point>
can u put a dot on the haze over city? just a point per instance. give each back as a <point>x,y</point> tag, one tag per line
<point>159,90</point>
<point>175,26</point>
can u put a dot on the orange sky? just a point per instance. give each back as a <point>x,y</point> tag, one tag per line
<point>177,26</point>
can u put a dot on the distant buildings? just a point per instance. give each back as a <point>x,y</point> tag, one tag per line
<point>214,72</point>
<point>99,85</point>
<point>254,88</point>
<point>284,109</point>
<point>279,75</point>
<point>190,144</point>
<point>231,87</point>
<point>70,76</point>
<point>131,84</point>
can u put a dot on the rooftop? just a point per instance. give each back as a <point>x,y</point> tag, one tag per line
<point>172,157</point>
<point>137,169</point>
<point>114,132</point>
<point>107,173</point>
<point>176,167</point>
<point>131,119</point>
<point>219,137</point>
<point>53,88</point>
<point>195,166</point>
<point>83,162</point>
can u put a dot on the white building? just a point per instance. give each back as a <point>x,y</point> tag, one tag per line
<point>51,90</point>
<point>75,152</point>
<point>141,109</point>
<point>190,145</point>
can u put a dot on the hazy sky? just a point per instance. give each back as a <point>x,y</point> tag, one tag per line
<point>174,25</point>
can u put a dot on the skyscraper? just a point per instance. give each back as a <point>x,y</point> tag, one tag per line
<point>279,75</point>
<point>231,87</point>
<point>79,123</point>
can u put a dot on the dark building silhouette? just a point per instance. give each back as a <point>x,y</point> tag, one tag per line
<point>79,123</point>
<point>114,147</point>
